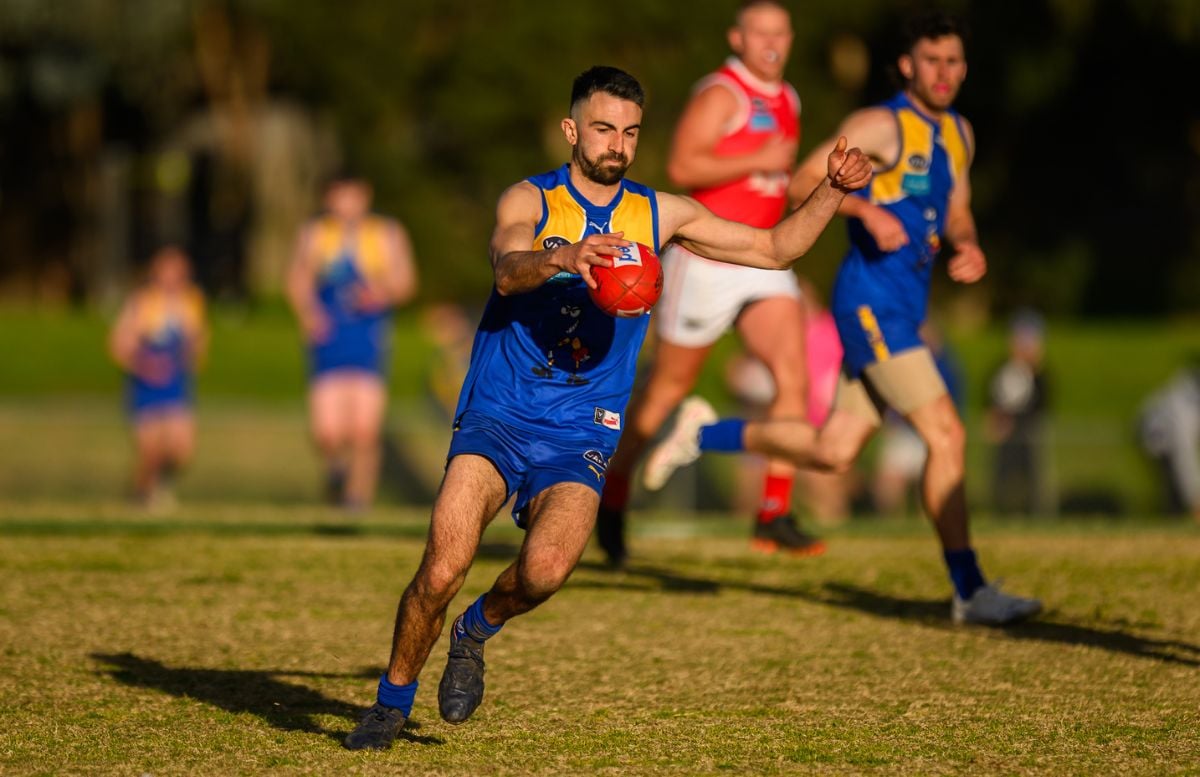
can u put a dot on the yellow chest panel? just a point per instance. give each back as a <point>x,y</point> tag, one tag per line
<point>565,221</point>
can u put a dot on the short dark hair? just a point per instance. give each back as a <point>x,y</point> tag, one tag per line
<point>610,80</point>
<point>930,25</point>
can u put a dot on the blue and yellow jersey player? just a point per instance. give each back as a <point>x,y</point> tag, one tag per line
<point>351,268</point>
<point>159,340</point>
<point>543,401</point>
<point>920,195</point>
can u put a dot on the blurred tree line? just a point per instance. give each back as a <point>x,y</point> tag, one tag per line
<point>124,123</point>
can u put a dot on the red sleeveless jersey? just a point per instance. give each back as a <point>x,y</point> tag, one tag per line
<point>759,199</point>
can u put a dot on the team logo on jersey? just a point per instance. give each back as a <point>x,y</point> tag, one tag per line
<point>607,418</point>
<point>918,163</point>
<point>596,463</point>
<point>761,118</point>
<point>554,241</point>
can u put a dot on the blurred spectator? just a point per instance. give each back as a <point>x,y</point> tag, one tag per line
<point>350,269</point>
<point>901,457</point>
<point>1016,421</point>
<point>827,495</point>
<point>1169,431</point>
<point>159,339</point>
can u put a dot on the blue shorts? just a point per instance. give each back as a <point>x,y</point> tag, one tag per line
<point>529,462</point>
<point>869,336</point>
<point>143,400</point>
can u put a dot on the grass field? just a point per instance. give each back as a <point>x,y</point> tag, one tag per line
<point>229,639</point>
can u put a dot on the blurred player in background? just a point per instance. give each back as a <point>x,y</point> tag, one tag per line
<point>922,151</point>
<point>350,269</point>
<point>540,410</point>
<point>159,340</point>
<point>733,149</point>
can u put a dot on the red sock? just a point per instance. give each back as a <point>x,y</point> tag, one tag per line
<point>777,497</point>
<point>616,491</point>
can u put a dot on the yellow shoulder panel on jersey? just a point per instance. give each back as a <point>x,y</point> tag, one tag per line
<point>563,218</point>
<point>956,145</point>
<point>371,252</point>
<point>634,216</point>
<point>916,138</point>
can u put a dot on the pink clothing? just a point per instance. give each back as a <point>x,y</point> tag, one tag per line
<point>824,351</point>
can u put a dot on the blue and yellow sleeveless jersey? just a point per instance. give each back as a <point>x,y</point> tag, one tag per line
<point>880,298</point>
<point>549,361</point>
<point>167,331</point>
<point>346,262</point>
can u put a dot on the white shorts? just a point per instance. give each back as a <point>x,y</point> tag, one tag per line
<point>702,298</point>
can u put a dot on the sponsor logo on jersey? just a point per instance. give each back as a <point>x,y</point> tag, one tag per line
<point>761,118</point>
<point>607,418</point>
<point>549,243</point>
<point>918,163</point>
<point>916,184</point>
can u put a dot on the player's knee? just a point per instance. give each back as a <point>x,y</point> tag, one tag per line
<point>541,574</point>
<point>839,459</point>
<point>365,438</point>
<point>948,439</point>
<point>438,581</point>
<point>327,438</point>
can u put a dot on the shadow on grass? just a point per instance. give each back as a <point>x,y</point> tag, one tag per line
<point>928,612</point>
<point>934,613</point>
<point>281,704</point>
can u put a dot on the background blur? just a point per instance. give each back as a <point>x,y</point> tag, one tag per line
<point>124,123</point>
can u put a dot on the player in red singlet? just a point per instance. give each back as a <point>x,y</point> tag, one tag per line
<point>734,148</point>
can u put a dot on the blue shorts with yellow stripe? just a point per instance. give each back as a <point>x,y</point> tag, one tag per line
<point>869,336</point>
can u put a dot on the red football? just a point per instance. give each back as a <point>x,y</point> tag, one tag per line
<point>632,285</point>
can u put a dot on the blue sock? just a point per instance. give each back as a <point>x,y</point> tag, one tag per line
<point>396,696</point>
<point>964,572</point>
<point>474,625</point>
<point>725,436</point>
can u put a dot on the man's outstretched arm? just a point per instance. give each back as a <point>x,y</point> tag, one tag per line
<point>777,248</point>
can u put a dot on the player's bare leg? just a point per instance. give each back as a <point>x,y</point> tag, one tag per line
<point>367,402</point>
<point>944,496</point>
<point>328,405</point>
<point>471,494</point>
<point>772,330</point>
<point>178,430</point>
<point>148,441</point>
<point>672,374</point>
<point>832,448</point>
<point>559,524</point>
<point>942,490</point>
